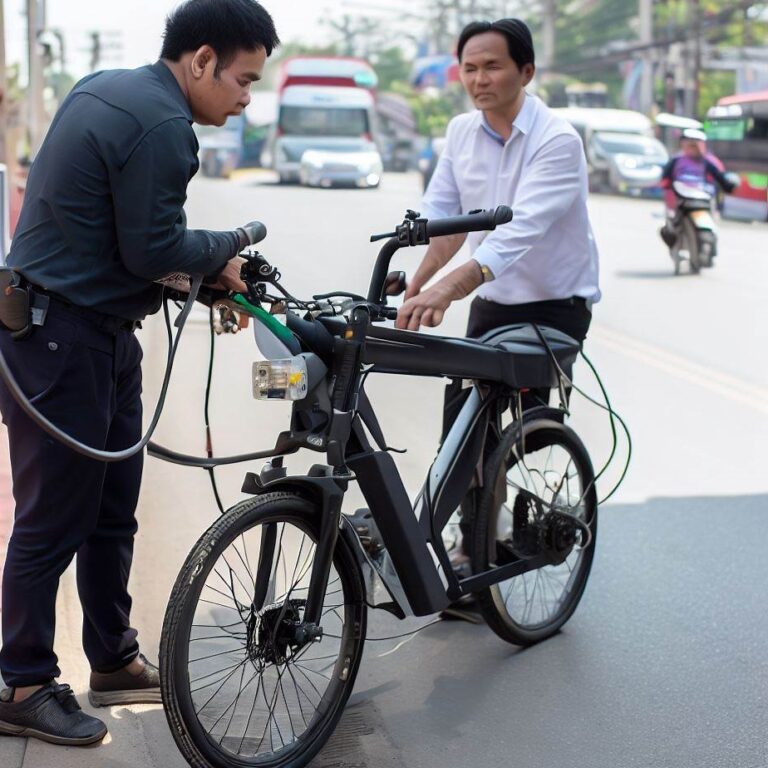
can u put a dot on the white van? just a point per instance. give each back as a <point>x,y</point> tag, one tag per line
<point>320,118</point>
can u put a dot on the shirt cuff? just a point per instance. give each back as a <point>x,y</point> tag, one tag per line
<point>486,257</point>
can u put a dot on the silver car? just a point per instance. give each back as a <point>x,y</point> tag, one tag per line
<point>354,163</point>
<point>630,163</point>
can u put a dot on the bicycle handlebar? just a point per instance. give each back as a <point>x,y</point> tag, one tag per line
<point>410,234</point>
<point>477,221</point>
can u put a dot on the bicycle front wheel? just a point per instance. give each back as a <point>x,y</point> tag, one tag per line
<point>536,489</point>
<point>239,689</point>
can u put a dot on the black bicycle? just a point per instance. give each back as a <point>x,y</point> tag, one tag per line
<point>266,623</point>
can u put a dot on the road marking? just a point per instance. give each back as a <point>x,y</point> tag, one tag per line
<point>737,390</point>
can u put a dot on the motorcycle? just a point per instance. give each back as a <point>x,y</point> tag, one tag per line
<point>690,232</point>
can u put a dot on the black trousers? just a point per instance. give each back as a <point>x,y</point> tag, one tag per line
<point>87,381</point>
<point>570,316</point>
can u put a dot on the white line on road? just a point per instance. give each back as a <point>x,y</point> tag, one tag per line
<point>735,389</point>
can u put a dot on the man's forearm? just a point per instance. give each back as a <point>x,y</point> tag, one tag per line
<point>440,251</point>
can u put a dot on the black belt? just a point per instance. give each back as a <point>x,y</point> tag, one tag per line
<point>104,322</point>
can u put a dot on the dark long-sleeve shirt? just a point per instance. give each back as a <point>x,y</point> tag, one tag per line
<point>103,211</point>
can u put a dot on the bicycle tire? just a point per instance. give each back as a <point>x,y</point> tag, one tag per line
<point>537,435</point>
<point>195,743</point>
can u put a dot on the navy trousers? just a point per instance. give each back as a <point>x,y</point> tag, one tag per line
<point>87,381</point>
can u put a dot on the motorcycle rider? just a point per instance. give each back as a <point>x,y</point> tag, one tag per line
<point>696,167</point>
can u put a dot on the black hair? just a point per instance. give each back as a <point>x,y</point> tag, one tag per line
<point>516,32</point>
<point>228,26</point>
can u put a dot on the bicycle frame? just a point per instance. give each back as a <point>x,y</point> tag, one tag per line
<point>415,569</point>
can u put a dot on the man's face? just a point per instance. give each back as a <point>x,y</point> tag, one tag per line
<point>692,148</point>
<point>490,75</point>
<point>215,96</point>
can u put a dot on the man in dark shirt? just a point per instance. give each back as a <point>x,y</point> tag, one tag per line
<point>103,219</point>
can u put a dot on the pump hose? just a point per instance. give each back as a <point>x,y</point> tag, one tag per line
<point>70,442</point>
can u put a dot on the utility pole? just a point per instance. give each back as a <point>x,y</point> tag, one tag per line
<point>549,11</point>
<point>3,90</point>
<point>646,38</point>
<point>36,107</point>
<point>693,58</point>
<point>696,56</point>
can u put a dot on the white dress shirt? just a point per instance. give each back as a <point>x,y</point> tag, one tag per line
<point>548,250</point>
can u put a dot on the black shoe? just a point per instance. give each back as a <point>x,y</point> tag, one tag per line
<point>51,714</point>
<point>121,687</point>
<point>668,236</point>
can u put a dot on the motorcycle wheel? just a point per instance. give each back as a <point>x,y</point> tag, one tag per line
<point>689,237</point>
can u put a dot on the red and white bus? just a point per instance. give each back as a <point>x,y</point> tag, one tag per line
<point>336,71</point>
<point>737,129</point>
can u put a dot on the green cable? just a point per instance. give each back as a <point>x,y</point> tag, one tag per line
<point>273,325</point>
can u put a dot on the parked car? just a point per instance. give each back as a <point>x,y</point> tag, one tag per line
<point>354,163</point>
<point>593,125</point>
<point>632,163</point>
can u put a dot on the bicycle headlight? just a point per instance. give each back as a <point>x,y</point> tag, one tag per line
<point>280,379</point>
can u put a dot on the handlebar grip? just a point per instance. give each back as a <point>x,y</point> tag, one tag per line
<point>502,215</point>
<point>254,231</point>
<point>470,222</point>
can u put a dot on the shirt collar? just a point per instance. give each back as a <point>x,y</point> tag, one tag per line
<point>522,122</point>
<point>167,78</point>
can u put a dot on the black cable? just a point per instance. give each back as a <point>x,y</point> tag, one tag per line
<point>613,415</point>
<point>86,450</point>
<point>208,436</point>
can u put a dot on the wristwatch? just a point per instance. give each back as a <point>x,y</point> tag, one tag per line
<point>487,274</point>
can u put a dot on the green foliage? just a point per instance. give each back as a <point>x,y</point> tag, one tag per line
<point>391,66</point>
<point>591,31</point>
<point>432,110</point>
<point>713,85</point>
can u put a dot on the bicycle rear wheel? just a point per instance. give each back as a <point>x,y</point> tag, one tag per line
<point>239,689</point>
<point>527,481</point>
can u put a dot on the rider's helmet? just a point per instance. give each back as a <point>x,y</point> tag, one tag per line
<point>696,134</point>
<point>693,143</point>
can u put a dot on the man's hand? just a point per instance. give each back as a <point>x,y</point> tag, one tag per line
<point>229,277</point>
<point>428,308</point>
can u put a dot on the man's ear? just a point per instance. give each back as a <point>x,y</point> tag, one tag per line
<point>204,58</point>
<point>529,70</point>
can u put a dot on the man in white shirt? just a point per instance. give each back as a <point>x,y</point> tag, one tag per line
<point>542,266</point>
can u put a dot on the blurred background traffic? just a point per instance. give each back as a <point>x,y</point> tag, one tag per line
<point>364,88</point>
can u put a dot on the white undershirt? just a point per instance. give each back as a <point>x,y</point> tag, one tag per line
<point>548,250</point>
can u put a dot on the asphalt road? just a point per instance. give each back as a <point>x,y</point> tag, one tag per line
<point>663,664</point>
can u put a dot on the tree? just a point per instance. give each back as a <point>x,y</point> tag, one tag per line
<point>391,66</point>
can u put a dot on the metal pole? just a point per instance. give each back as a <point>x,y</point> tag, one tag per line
<point>3,90</point>
<point>646,37</point>
<point>696,56</point>
<point>548,35</point>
